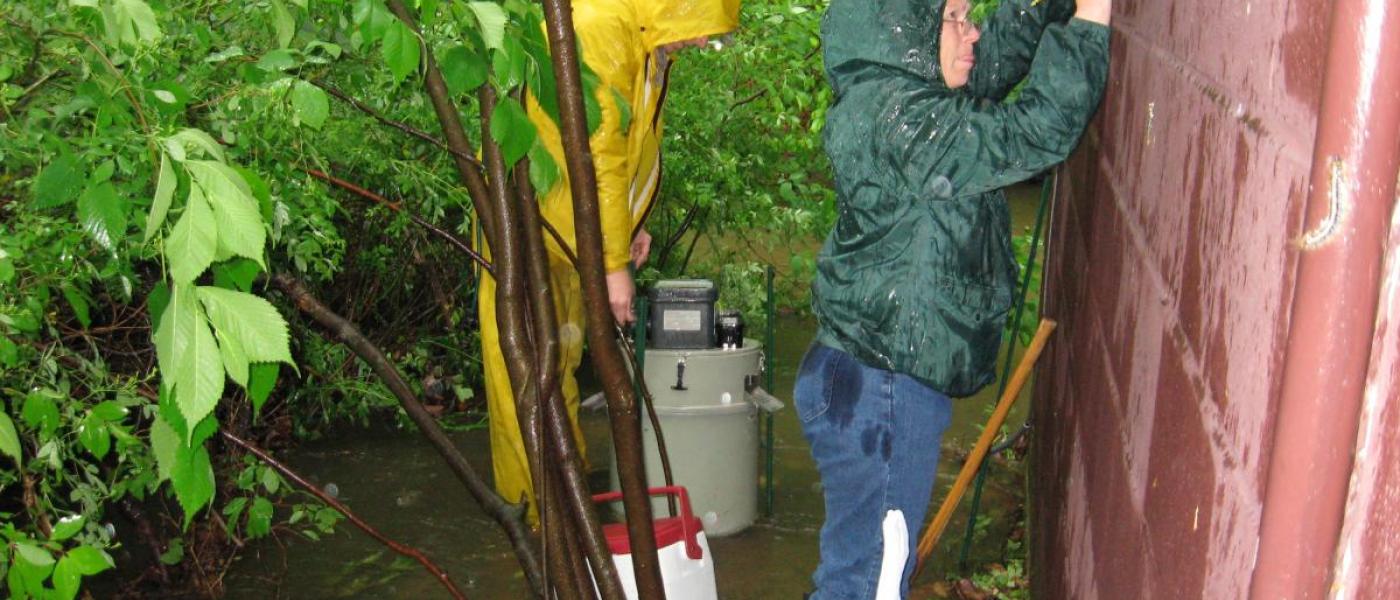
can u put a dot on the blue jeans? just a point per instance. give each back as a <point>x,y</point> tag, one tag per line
<point>875,437</point>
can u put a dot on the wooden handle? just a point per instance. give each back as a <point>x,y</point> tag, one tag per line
<point>989,433</point>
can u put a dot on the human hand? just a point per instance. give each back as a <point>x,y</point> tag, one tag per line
<point>1097,11</point>
<point>620,293</point>
<point>641,248</point>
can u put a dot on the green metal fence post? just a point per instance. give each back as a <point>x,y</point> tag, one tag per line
<point>1020,306</point>
<point>769,366</point>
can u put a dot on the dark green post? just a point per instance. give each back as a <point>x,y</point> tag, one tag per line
<point>770,365</point>
<point>639,341</point>
<point>1015,340</point>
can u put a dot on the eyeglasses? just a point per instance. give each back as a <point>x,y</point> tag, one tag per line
<point>963,23</point>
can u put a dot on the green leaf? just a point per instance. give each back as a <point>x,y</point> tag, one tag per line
<point>136,23</point>
<point>157,300</point>
<point>160,204</point>
<point>512,130</point>
<point>427,12</point>
<point>259,518</point>
<point>165,444</point>
<point>7,270</point>
<point>253,322</point>
<point>90,560</point>
<point>102,173</point>
<point>462,69</point>
<point>492,22</point>
<point>373,20</point>
<point>196,139</point>
<point>258,188</point>
<point>78,302</point>
<point>170,412</point>
<point>240,225</point>
<point>593,112</point>
<point>271,482</point>
<point>191,244</point>
<point>40,412</point>
<point>67,527</point>
<point>237,274</point>
<point>624,110</point>
<point>278,60</point>
<point>283,23</point>
<point>9,353</point>
<point>509,65</point>
<point>544,172</point>
<point>193,480</point>
<point>234,51</point>
<point>262,377</point>
<point>109,411</point>
<point>33,555</point>
<point>94,436</point>
<point>309,104</point>
<point>188,357</point>
<point>174,554</point>
<point>400,50</point>
<point>67,578</point>
<point>103,214</point>
<point>59,183</point>
<point>235,359</point>
<point>9,439</point>
<point>541,78</point>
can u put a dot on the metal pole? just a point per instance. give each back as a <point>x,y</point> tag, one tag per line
<point>1010,353</point>
<point>1350,203</point>
<point>770,365</point>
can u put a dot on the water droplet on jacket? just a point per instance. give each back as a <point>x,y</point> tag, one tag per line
<point>941,187</point>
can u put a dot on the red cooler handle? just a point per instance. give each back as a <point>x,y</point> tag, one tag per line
<point>692,545</point>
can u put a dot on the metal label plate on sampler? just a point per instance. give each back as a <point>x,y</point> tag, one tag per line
<point>681,320</point>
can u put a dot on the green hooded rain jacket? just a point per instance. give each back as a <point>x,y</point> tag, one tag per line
<point>917,275</point>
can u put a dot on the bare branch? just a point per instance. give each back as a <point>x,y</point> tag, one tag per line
<point>507,515</point>
<point>340,507</point>
<point>404,127</point>
<point>397,207</point>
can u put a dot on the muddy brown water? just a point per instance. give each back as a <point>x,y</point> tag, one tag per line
<point>394,480</point>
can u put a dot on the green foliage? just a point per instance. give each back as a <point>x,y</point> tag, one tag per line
<point>157,164</point>
<point>743,153</point>
<point>1030,312</point>
<point>252,510</point>
<point>981,9</point>
<point>1005,582</point>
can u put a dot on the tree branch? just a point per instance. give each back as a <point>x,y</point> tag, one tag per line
<point>585,527</point>
<point>340,507</point>
<point>507,515</point>
<point>397,207</point>
<point>451,121</point>
<point>607,359</point>
<point>404,127</point>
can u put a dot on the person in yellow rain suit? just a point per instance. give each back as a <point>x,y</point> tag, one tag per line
<point>628,44</point>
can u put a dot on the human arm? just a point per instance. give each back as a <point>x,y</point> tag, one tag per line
<point>952,145</point>
<point>1095,11</point>
<point>1008,41</point>
<point>616,61</point>
<point>641,248</point>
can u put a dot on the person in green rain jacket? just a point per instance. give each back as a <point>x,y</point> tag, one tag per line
<point>915,281</point>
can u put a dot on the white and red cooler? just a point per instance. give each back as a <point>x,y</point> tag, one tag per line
<point>687,568</point>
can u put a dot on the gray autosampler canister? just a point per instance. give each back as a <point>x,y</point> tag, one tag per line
<point>709,417</point>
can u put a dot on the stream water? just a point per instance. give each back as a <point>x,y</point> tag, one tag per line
<point>395,481</point>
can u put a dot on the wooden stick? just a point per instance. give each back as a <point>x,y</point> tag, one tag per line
<point>989,434</point>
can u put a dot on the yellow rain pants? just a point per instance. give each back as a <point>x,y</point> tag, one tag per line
<point>621,40</point>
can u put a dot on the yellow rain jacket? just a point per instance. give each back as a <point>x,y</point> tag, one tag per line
<point>620,40</point>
